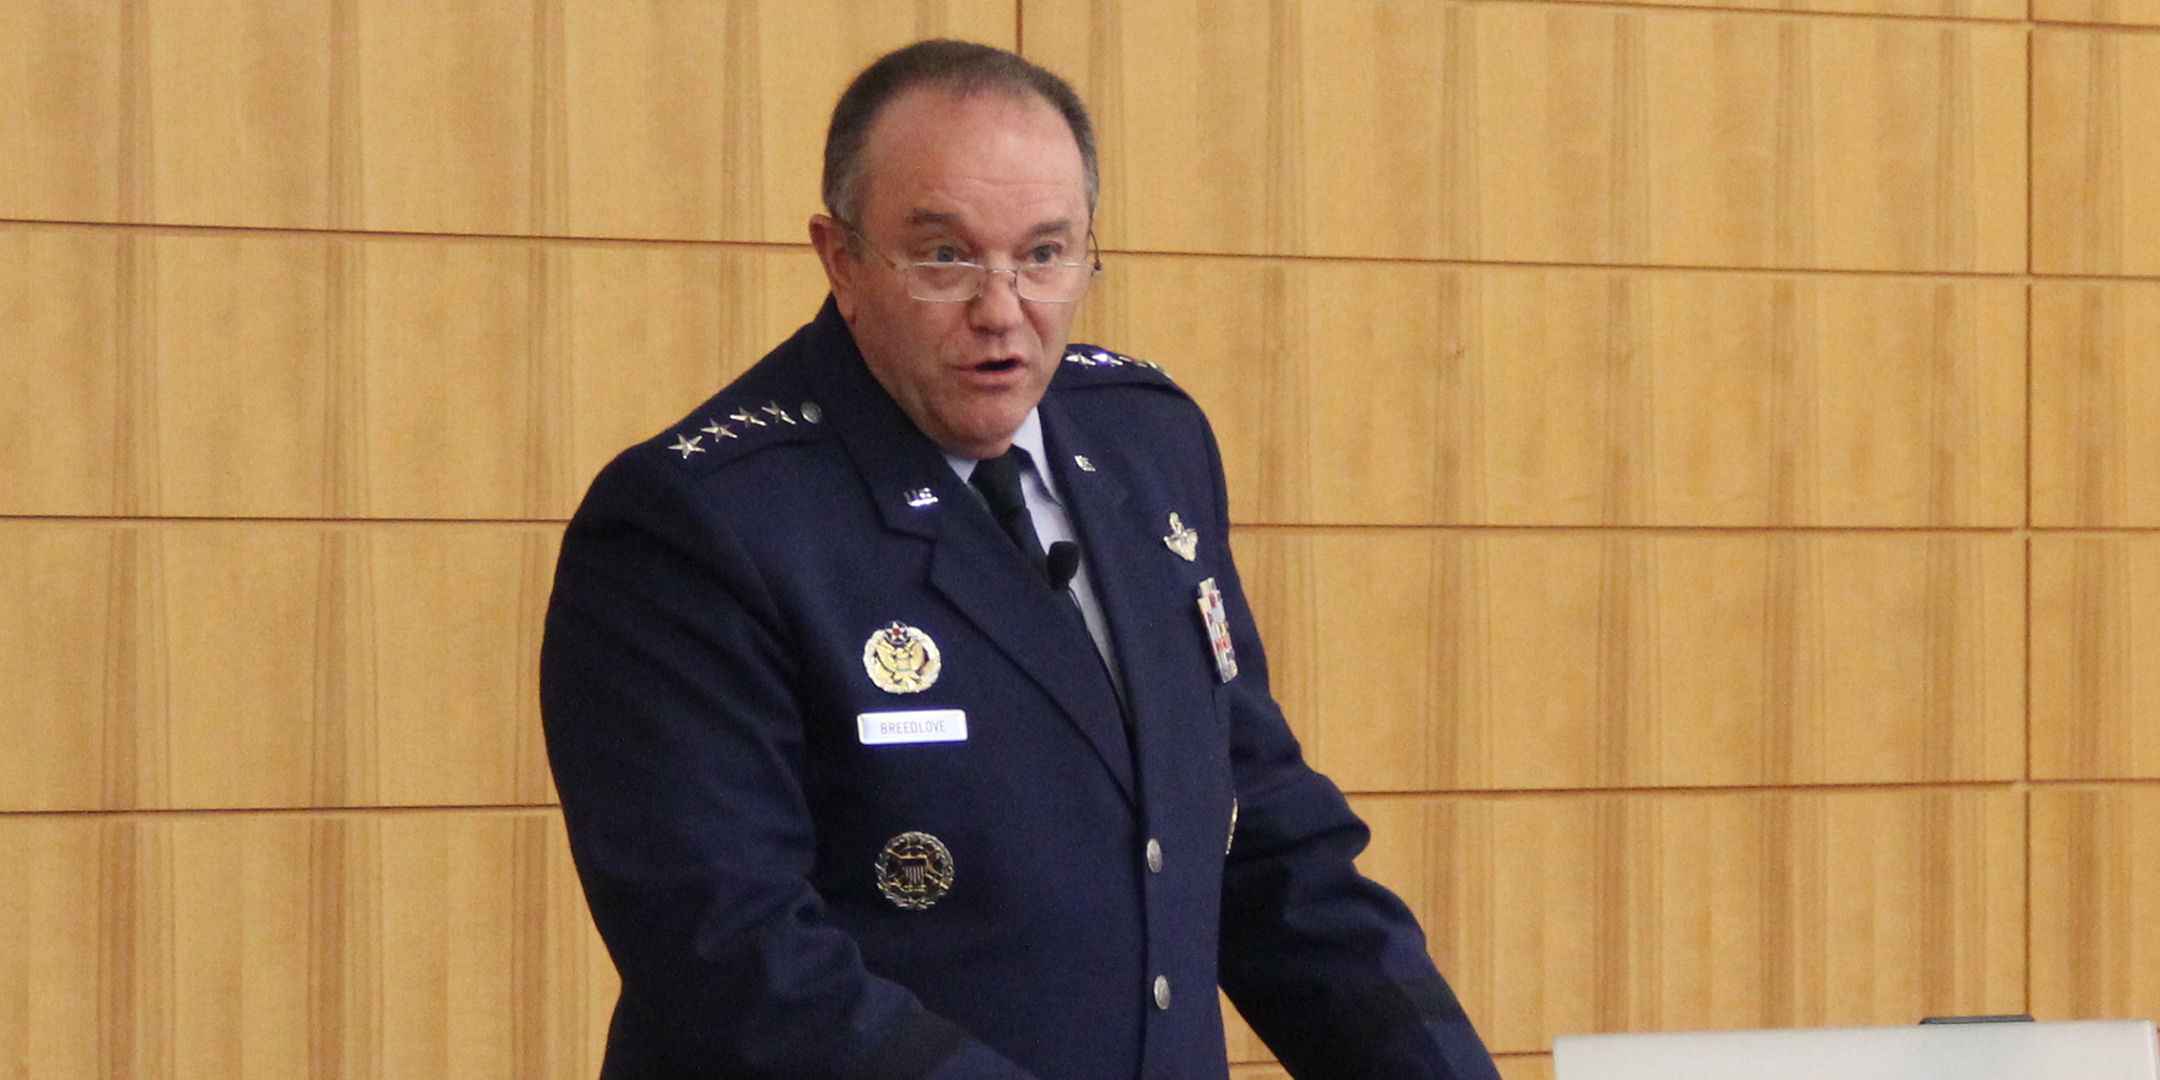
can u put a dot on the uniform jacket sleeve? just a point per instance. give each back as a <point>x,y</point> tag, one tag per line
<point>671,713</point>
<point>1328,967</point>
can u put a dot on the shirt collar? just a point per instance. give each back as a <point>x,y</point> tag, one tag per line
<point>1028,438</point>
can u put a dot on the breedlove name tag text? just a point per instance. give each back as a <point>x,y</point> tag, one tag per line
<point>912,726</point>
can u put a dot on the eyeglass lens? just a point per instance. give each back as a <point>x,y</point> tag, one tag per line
<point>1055,283</point>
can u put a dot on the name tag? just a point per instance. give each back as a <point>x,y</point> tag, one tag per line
<point>911,726</point>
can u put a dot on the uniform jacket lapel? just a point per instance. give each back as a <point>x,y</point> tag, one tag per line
<point>1133,574</point>
<point>972,564</point>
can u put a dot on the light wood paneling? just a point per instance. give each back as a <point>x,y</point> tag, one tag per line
<point>1412,660</point>
<point>245,378</point>
<point>492,116</point>
<point>1380,393</point>
<point>2127,12</point>
<point>251,664</point>
<point>274,946</point>
<point>252,114</point>
<point>2096,404</point>
<point>1512,1067</point>
<point>1551,133</point>
<point>459,114</point>
<point>2096,903</point>
<point>1525,1066</point>
<point>63,85</point>
<point>707,121</point>
<point>1712,910</point>
<point>2096,167</point>
<point>1951,9</point>
<point>2095,640</point>
<point>61,369</point>
<point>254,375</point>
<point>656,329</point>
<point>465,379</point>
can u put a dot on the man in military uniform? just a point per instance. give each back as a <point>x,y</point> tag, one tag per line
<point>908,717</point>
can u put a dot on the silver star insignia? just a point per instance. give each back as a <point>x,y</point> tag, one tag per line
<point>745,416</point>
<point>778,413</point>
<point>718,430</point>
<point>687,445</point>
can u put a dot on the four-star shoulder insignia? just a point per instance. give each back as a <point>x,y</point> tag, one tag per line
<point>747,426</point>
<point>1090,356</point>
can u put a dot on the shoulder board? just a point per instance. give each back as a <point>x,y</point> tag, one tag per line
<point>1097,365</point>
<point>725,430</point>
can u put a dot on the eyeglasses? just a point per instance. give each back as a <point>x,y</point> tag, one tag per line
<point>955,282</point>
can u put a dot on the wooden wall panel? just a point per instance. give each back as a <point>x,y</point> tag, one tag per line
<point>1383,393</point>
<point>249,113</point>
<point>1713,910</point>
<point>221,374</point>
<point>435,945</point>
<point>63,682</point>
<point>707,121</point>
<point>2096,168</point>
<point>2095,404</point>
<point>1551,133</point>
<point>1411,660</point>
<point>2096,902</point>
<point>1512,1067</point>
<point>2013,10</point>
<point>260,665</point>
<point>656,329</point>
<point>459,115</point>
<point>492,116</point>
<point>2095,640</point>
<point>64,83</point>
<point>244,379</point>
<point>61,384</point>
<point>465,380</point>
<point>2126,12</point>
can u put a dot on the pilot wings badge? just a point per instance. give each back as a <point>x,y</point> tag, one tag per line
<point>1182,540</point>
<point>901,659</point>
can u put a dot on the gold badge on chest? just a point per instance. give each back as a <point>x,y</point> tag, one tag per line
<point>915,870</point>
<point>901,659</point>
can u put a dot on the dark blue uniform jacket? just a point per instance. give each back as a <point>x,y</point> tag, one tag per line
<point>701,680</point>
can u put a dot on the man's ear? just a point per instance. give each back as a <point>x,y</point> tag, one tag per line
<point>830,239</point>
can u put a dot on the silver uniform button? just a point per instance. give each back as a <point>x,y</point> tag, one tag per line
<point>1154,856</point>
<point>1162,991</point>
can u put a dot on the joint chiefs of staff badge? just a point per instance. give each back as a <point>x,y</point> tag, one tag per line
<point>915,870</point>
<point>901,659</point>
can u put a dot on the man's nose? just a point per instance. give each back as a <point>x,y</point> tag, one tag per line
<point>999,307</point>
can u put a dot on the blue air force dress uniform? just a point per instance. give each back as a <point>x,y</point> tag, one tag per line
<point>853,794</point>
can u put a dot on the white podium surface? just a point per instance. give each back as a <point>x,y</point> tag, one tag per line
<point>2058,1050</point>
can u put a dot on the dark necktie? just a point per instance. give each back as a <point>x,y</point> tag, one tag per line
<point>998,479</point>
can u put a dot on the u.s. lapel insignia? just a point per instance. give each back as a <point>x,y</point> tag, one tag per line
<point>1216,618</point>
<point>901,659</point>
<point>920,497</point>
<point>915,870</point>
<point>1182,540</point>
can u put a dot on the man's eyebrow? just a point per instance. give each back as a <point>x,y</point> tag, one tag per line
<point>931,217</point>
<point>939,219</point>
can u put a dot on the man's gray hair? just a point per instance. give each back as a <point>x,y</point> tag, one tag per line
<point>962,67</point>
